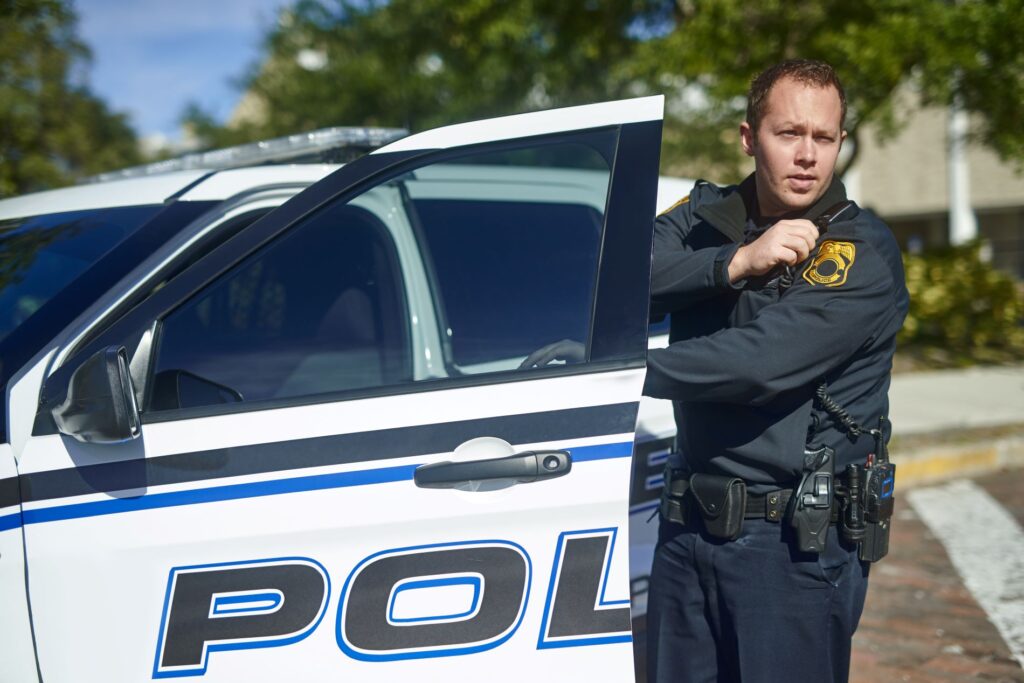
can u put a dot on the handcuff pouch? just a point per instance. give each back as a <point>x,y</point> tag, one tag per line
<point>721,502</point>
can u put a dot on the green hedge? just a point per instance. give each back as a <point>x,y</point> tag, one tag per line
<point>962,310</point>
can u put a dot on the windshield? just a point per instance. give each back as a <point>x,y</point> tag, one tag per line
<point>53,267</point>
<point>39,256</point>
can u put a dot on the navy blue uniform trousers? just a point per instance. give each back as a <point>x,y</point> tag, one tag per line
<point>753,610</point>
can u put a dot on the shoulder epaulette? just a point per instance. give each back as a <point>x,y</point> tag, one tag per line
<point>675,206</point>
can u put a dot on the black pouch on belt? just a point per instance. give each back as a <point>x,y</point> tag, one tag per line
<point>673,495</point>
<point>722,502</point>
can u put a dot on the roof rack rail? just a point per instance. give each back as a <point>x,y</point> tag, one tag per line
<point>327,145</point>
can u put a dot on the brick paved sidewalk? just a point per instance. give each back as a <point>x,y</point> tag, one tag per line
<point>920,623</point>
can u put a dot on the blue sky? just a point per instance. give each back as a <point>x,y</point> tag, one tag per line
<point>152,57</point>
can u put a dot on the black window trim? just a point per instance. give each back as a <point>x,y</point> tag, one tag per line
<point>627,228</point>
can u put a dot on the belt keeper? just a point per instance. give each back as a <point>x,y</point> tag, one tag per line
<point>774,507</point>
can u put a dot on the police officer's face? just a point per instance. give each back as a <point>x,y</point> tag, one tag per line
<point>795,146</point>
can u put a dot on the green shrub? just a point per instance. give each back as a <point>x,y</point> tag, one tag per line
<point>962,310</point>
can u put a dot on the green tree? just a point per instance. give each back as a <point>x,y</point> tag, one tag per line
<point>423,63</point>
<point>971,51</point>
<point>420,63</point>
<point>52,128</point>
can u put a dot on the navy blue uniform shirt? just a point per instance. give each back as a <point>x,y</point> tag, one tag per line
<point>745,358</point>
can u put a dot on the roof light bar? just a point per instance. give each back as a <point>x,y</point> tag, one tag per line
<point>327,145</point>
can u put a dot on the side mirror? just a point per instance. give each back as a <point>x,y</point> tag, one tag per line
<point>100,406</point>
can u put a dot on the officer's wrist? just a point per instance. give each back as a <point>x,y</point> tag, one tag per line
<point>737,266</point>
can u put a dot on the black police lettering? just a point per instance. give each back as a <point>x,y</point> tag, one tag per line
<point>577,612</point>
<point>492,580</point>
<point>237,605</point>
<point>426,601</point>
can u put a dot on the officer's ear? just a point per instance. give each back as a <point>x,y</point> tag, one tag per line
<point>747,138</point>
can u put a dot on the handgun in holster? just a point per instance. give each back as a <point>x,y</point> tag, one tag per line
<point>810,511</point>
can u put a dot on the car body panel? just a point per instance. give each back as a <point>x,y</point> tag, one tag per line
<point>17,651</point>
<point>537,123</point>
<point>129,192</point>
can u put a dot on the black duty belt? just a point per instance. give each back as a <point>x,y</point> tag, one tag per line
<point>770,506</point>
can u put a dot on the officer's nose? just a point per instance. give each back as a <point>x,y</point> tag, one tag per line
<point>805,153</point>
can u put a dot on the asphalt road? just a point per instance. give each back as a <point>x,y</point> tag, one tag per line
<point>947,604</point>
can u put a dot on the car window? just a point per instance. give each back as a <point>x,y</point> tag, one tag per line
<point>512,275</point>
<point>41,255</point>
<point>54,266</point>
<point>461,267</point>
<point>319,311</point>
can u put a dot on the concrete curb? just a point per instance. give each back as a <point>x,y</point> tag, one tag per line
<point>922,460</point>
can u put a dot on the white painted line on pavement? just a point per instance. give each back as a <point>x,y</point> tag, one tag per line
<point>986,545</point>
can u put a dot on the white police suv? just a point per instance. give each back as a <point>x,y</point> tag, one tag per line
<point>269,423</point>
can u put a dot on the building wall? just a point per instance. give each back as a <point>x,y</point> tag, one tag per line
<point>905,180</point>
<point>905,175</point>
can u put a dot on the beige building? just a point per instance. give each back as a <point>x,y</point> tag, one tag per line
<point>912,180</point>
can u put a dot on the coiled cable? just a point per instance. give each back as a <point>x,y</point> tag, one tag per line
<point>838,413</point>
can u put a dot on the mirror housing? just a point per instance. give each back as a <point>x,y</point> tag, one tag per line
<point>100,406</point>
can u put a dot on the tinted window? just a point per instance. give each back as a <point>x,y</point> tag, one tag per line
<point>318,311</point>
<point>40,256</point>
<point>513,276</point>
<point>512,239</point>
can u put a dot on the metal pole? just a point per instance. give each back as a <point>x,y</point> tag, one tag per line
<point>963,227</point>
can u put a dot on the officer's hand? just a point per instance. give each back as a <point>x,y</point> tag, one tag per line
<point>786,243</point>
<point>566,350</point>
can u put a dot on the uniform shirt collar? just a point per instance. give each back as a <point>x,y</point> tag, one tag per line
<point>730,214</point>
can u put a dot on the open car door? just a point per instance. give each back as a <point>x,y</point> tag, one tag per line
<point>384,433</point>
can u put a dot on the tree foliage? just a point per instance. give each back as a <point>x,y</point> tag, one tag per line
<point>962,310</point>
<point>420,63</point>
<point>970,51</point>
<point>52,128</point>
<point>423,63</point>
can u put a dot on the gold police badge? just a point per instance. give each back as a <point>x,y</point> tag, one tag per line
<point>831,264</point>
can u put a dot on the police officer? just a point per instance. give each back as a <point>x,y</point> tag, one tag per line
<point>765,309</point>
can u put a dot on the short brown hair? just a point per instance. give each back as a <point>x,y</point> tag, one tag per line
<point>807,71</point>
